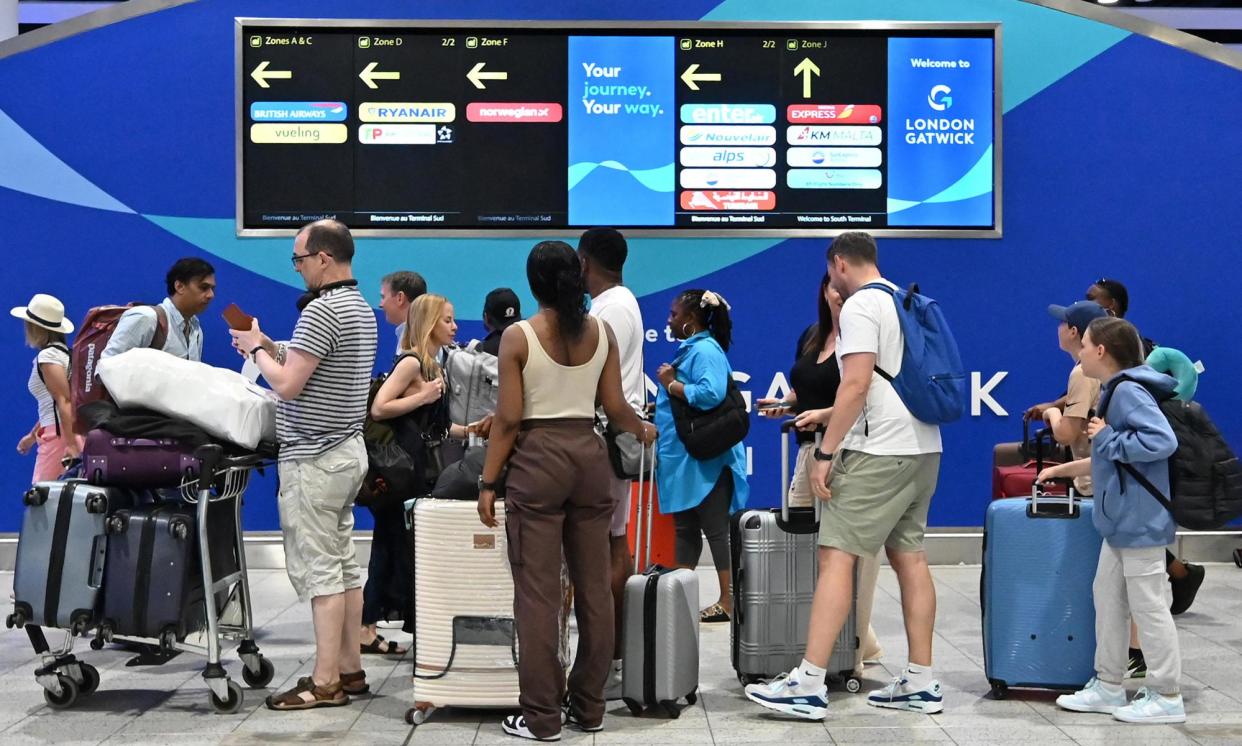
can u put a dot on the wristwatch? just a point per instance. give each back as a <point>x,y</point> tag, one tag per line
<point>821,456</point>
<point>486,485</point>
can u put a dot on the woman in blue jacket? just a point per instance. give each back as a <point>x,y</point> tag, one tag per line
<point>1131,434</point>
<point>700,495</point>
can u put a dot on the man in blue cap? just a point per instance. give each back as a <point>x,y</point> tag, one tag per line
<point>1069,422</point>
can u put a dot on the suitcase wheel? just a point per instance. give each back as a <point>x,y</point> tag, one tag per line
<point>692,697</point>
<point>16,619</point>
<point>68,693</point>
<point>746,679</point>
<point>1000,690</point>
<point>230,705</point>
<point>79,624</point>
<point>853,684</point>
<point>418,714</point>
<point>168,640</point>
<point>35,496</point>
<point>179,528</point>
<point>1237,557</point>
<point>671,708</point>
<point>117,523</point>
<point>96,504</point>
<point>635,706</point>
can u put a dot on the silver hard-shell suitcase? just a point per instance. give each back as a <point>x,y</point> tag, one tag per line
<point>61,553</point>
<point>775,566</point>
<point>660,649</point>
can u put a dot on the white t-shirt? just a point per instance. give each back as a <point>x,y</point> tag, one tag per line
<point>618,307</point>
<point>47,406</point>
<point>869,323</point>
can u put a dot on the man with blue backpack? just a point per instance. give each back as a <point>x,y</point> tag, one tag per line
<point>876,470</point>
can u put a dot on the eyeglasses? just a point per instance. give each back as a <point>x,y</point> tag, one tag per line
<point>297,258</point>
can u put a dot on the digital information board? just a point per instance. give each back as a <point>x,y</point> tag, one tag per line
<point>688,128</point>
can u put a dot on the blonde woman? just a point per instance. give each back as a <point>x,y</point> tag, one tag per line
<point>46,327</point>
<point>411,401</point>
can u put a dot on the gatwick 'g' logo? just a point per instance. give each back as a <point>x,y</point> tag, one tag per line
<point>939,98</point>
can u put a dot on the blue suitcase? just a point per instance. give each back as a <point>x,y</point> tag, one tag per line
<point>1039,560</point>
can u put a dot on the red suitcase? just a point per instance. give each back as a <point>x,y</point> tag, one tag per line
<point>1017,480</point>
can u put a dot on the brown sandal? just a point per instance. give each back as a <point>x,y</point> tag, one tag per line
<point>380,646</point>
<point>355,683</point>
<point>307,695</point>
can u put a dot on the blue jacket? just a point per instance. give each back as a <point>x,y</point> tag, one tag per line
<point>683,481</point>
<point>1138,434</point>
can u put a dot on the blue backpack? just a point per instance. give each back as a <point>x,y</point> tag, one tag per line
<point>931,382</point>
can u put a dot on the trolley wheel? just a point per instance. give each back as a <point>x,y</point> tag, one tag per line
<point>68,693</point>
<point>262,677</point>
<point>853,685</point>
<point>636,707</point>
<point>417,715</point>
<point>999,690</point>
<point>692,697</point>
<point>671,709</point>
<point>230,705</point>
<point>1237,557</point>
<point>168,641</point>
<point>90,678</point>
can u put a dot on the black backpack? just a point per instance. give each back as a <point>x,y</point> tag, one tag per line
<point>1205,478</point>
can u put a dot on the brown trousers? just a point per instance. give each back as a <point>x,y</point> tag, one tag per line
<point>556,501</point>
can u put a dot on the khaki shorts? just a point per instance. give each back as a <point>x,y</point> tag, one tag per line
<point>800,495</point>
<point>316,503</point>
<point>878,501</point>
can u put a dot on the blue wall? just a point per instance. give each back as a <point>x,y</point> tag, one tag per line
<point>1121,159</point>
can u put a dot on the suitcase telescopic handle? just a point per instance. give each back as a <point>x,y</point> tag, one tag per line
<point>646,509</point>
<point>1070,500</point>
<point>786,428</point>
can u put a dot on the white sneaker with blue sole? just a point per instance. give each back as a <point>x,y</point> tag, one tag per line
<point>1096,696</point>
<point>900,695</point>
<point>1150,708</point>
<point>785,695</point>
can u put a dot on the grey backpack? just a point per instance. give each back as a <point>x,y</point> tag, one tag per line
<point>472,378</point>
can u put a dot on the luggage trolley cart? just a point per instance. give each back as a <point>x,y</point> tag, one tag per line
<point>227,604</point>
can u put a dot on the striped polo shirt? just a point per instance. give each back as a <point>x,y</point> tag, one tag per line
<point>338,327</point>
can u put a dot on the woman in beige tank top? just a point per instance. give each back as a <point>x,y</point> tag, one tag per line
<point>554,367</point>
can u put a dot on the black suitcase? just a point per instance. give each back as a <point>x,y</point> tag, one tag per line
<point>153,581</point>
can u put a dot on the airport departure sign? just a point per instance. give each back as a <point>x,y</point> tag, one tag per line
<point>423,127</point>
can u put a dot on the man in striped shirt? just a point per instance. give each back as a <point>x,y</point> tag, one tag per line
<point>322,376</point>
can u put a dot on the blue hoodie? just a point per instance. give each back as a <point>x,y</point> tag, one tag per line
<point>1136,433</point>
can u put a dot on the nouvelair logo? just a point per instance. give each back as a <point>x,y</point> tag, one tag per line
<point>939,98</point>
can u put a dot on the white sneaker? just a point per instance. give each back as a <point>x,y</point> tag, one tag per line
<point>1096,696</point>
<point>785,695</point>
<point>900,694</point>
<point>612,688</point>
<point>1150,708</point>
<point>515,725</point>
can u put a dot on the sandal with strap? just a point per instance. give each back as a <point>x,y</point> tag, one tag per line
<point>355,683</point>
<point>380,646</point>
<point>713,613</point>
<point>307,695</point>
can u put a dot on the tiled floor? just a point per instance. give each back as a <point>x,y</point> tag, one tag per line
<point>168,705</point>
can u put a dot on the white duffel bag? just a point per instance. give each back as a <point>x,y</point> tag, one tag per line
<point>223,402</point>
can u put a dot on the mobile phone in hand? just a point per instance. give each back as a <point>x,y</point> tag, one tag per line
<point>237,318</point>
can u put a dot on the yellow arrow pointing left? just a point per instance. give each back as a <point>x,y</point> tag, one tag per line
<point>261,74</point>
<point>369,75</point>
<point>692,77</point>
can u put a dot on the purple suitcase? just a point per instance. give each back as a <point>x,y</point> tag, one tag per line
<point>117,461</point>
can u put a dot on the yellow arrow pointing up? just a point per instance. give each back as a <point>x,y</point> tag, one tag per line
<point>261,74</point>
<point>806,69</point>
<point>477,76</point>
<point>691,77</point>
<point>369,75</point>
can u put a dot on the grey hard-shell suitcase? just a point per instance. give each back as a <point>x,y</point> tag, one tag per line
<point>660,650</point>
<point>775,566</point>
<point>153,581</point>
<point>61,554</point>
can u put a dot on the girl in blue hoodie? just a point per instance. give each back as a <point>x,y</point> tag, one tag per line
<point>1130,579</point>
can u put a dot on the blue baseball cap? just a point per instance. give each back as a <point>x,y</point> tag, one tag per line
<point>1078,315</point>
